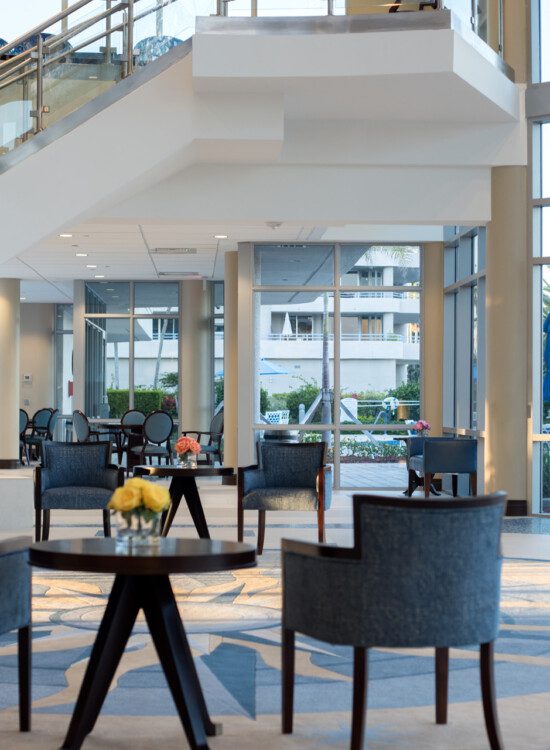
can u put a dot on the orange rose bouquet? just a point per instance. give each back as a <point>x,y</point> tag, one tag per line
<point>187,450</point>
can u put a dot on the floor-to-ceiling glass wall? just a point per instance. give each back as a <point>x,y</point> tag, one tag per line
<point>131,347</point>
<point>464,335</point>
<point>337,355</point>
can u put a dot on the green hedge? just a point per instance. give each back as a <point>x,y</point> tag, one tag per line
<point>144,400</point>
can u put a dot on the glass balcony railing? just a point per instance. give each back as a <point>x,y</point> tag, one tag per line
<point>86,49</point>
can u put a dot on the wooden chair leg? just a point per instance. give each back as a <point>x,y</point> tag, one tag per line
<point>240,520</point>
<point>454,484</point>
<point>37,525</point>
<point>46,525</point>
<point>24,652</point>
<point>428,479</point>
<point>106,523</point>
<point>412,483</point>
<point>261,531</point>
<point>287,654</point>
<point>441,684</point>
<point>359,712</point>
<point>486,653</point>
<point>321,523</point>
<point>473,483</point>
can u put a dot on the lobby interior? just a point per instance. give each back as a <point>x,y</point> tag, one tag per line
<point>211,213</point>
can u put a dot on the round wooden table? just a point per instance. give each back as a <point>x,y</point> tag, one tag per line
<point>184,484</point>
<point>142,582</point>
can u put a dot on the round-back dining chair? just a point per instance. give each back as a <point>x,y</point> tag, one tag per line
<point>157,430</point>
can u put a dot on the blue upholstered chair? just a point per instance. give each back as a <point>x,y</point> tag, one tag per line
<point>430,456</point>
<point>15,614</point>
<point>157,430</point>
<point>289,476</point>
<point>74,476</point>
<point>43,424</point>
<point>210,440</point>
<point>421,573</point>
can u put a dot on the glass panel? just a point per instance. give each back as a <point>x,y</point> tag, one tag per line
<point>159,26</point>
<point>545,351</point>
<point>107,350</point>
<point>474,370</point>
<point>295,350</point>
<point>218,342</point>
<point>545,40</point>
<point>16,101</point>
<point>464,258</point>
<point>292,8</point>
<point>545,157</point>
<point>449,271</point>
<point>239,8</point>
<point>373,460</point>
<point>107,297</point>
<point>462,8</point>
<point>64,318</point>
<point>371,265</point>
<point>541,231</point>
<point>156,364</point>
<point>64,359</point>
<point>545,478</point>
<point>156,297</point>
<point>294,265</point>
<point>380,358</point>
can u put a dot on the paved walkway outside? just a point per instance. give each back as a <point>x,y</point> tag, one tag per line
<point>374,475</point>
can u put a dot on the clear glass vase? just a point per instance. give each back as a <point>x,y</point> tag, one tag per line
<point>140,527</point>
<point>187,460</point>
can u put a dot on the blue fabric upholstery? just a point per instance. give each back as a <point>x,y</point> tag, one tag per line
<point>424,576</point>
<point>281,498</point>
<point>150,450</point>
<point>158,427</point>
<point>73,497</point>
<point>444,456</point>
<point>15,589</point>
<point>291,465</point>
<point>76,464</point>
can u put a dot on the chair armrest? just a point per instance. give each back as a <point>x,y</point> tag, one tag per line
<point>17,544</point>
<point>309,549</point>
<point>249,478</point>
<point>120,471</point>
<point>112,477</point>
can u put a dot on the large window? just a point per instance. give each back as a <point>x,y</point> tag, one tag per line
<point>541,40</point>
<point>132,347</point>
<point>337,353</point>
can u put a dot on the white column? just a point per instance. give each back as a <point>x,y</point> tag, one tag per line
<point>9,372</point>
<point>432,336</point>
<point>246,356</point>
<point>197,356</point>
<point>230,359</point>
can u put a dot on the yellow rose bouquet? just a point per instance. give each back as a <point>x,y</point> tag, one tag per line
<point>140,504</point>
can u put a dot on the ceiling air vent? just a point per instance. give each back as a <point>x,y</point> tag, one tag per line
<point>178,274</point>
<point>174,250</point>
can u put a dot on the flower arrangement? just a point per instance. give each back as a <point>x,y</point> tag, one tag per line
<point>140,504</point>
<point>421,427</point>
<point>187,449</point>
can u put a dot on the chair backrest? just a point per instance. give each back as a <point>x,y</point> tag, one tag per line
<point>81,426</point>
<point>131,418</point>
<point>291,464</point>
<point>216,425</point>
<point>52,423</point>
<point>40,420</point>
<point>158,427</point>
<point>15,584</point>
<point>458,456</point>
<point>23,421</point>
<point>415,445</point>
<point>75,464</point>
<point>431,569</point>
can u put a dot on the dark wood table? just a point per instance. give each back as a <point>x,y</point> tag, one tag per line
<point>184,484</point>
<point>142,582</point>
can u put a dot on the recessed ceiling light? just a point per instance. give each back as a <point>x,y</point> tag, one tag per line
<point>115,296</point>
<point>22,299</point>
<point>81,255</point>
<point>110,289</point>
<point>99,276</point>
<point>65,234</point>
<point>91,266</point>
<point>220,236</point>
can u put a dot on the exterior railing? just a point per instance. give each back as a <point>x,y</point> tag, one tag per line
<point>74,56</point>
<point>413,338</point>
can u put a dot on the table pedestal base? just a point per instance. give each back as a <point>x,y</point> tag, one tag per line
<point>154,595</point>
<point>186,487</point>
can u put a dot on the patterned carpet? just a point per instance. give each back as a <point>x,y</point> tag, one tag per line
<point>233,624</point>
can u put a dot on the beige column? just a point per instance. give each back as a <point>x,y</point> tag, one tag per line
<point>197,360</point>
<point>432,336</point>
<point>9,372</point>
<point>230,358</point>
<point>506,458</point>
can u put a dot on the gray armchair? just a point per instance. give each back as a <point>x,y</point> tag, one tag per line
<point>430,456</point>
<point>290,476</point>
<point>15,614</point>
<point>421,573</point>
<point>74,476</point>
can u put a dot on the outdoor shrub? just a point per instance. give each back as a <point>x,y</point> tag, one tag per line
<point>144,400</point>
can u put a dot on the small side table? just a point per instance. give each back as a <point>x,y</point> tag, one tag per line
<point>142,582</point>
<point>184,484</point>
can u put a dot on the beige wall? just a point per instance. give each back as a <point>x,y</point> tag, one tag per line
<point>37,356</point>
